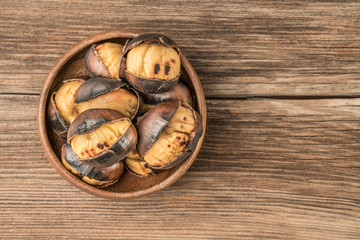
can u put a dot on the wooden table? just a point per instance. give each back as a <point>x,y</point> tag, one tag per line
<point>281,153</point>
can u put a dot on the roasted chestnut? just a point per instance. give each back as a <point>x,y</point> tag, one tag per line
<point>168,133</point>
<point>95,176</point>
<point>136,165</point>
<point>60,109</point>
<point>98,92</point>
<point>151,63</point>
<point>101,137</point>
<point>180,92</point>
<point>77,95</point>
<point>103,60</point>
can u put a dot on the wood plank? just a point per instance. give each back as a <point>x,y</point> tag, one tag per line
<point>283,169</point>
<point>238,48</point>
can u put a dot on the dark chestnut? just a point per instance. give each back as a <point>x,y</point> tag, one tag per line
<point>101,137</point>
<point>101,177</point>
<point>136,165</point>
<point>103,60</point>
<point>168,133</point>
<point>99,92</point>
<point>151,63</point>
<point>180,92</point>
<point>60,109</point>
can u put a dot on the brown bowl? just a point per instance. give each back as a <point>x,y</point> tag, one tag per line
<point>71,65</point>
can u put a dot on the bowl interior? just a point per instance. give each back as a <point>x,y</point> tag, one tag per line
<point>71,65</point>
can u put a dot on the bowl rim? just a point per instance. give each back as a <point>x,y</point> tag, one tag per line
<point>56,163</point>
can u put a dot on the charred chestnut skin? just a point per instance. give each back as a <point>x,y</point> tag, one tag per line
<point>149,85</point>
<point>94,65</point>
<point>106,176</point>
<point>146,85</point>
<point>57,122</point>
<point>91,119</point>
<point>153,123</point>
<point>180,92</point>
<point>97,86</point>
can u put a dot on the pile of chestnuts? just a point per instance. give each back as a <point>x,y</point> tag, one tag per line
<point>132,111</point>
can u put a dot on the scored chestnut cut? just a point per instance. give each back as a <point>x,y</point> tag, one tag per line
<point>168,133</point>
<point>103,60</point>
<point>136,165</point>
<point>101,177</point>
<point>60,109</point>
<point>151,63</point>
<point>180,92</point>
<point>101,137</point>
<point>98,92</point>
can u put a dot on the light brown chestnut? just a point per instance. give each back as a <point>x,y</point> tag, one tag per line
<point>103,60</point>
<point>101,137</point>
<point>101,177</point>
<point>99,92</point>
<point>136,165</point>
<point>151,63</point>
<point>60,109</point>
<point>168,133</point>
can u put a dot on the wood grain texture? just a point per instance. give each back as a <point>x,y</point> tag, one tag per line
<point>238,48</point>
<point>268,169</point>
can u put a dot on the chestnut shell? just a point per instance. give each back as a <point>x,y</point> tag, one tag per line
<point>150,38</point>
<point>152,124</point>
<point>57,122</point>
<point>146,85</point>
<point>108,175</point>
<point>180,92</point>
<point>91,119</point>
<point>93,64</point>
<point>97,86</point>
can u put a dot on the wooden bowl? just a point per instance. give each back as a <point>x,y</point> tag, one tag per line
<point>71,65</point>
